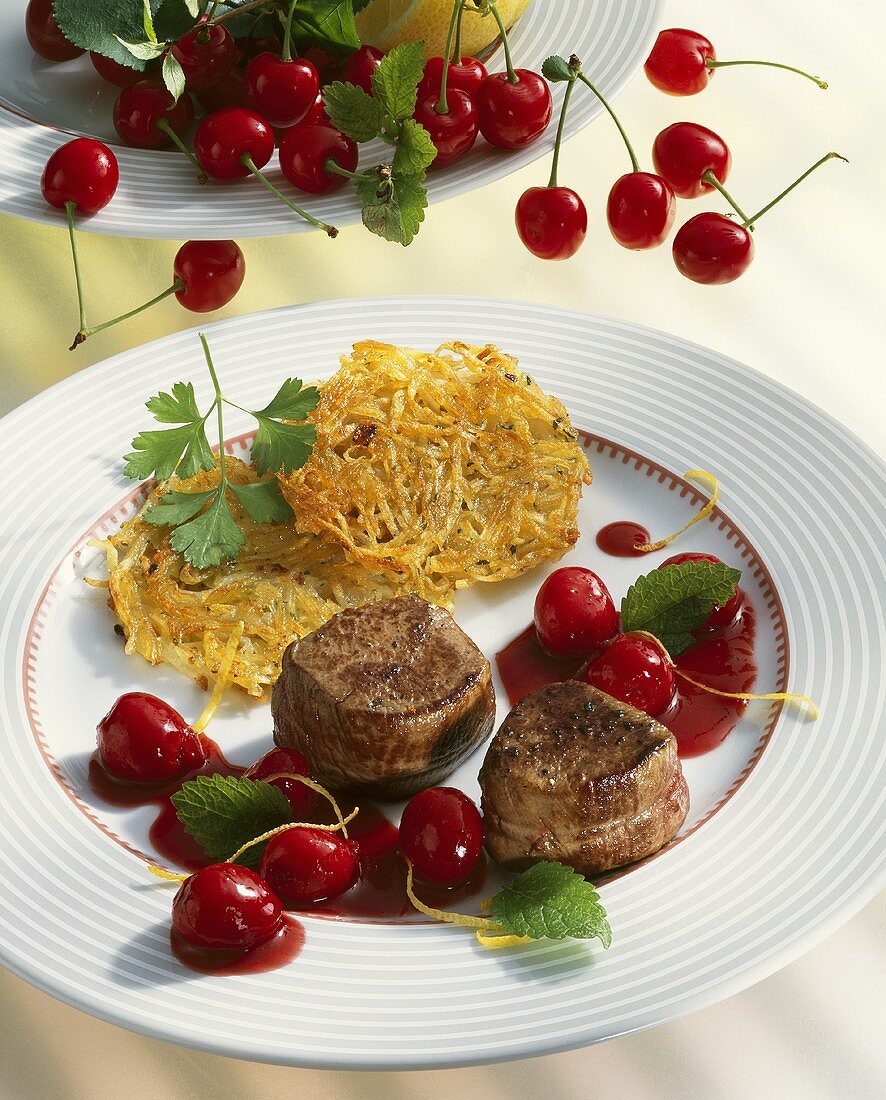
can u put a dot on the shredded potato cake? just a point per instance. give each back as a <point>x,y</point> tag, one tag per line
<point>430,472</point>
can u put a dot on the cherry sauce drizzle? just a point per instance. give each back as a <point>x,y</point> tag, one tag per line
<point>622,539</point>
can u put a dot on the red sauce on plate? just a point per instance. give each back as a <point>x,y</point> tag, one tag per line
<point>622,538</point>
<point>723,659</point>
<point>270,955</point>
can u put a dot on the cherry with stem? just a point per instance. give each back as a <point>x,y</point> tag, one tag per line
<point>450,118</point>
<point>282,87</point>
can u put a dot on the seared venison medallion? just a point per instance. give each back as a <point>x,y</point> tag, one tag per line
<point>384,699</point>
<point>576,777</point>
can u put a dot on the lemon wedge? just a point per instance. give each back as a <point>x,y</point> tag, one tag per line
<point>387,23</point>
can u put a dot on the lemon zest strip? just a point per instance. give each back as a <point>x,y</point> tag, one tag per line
<point>462,919</point>
<point>696,475</point>
<point>221,680</point>
<point>161,872</point>
<point>292,825</point>
<point>486,939</point>
<point>319,789</point>
<point>93,583</point>
<point>779,696</point>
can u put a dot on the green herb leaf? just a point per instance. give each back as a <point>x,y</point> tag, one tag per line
<point>178,407</point>
<point>223,812</point>
<point>556,69</point>
<point>174,507</point>
<point>551,901</point>
<point>173,19</point>
<point>183,450</point>
<point>102,25</point>
<point>325,24</point>
<point>279,446</point>
<point>292,401</point>
<point>415,150</point>
<point>353,111</point>
<point>395,81</point>
<point>173,77</point>
<point>143,51</point>
<point>263,500</point>
<point>211,537</point>
<point>148,22</point>
<point>393,209</point>
<point>672,602</point>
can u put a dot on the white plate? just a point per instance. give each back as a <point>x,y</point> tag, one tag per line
<point>785,840</point>
<point>42,104</point>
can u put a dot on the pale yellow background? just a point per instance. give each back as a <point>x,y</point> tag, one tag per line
<point>810,313</point>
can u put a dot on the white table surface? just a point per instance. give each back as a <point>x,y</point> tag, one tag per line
<point>810,313</point>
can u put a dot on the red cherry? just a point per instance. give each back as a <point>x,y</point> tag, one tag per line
<point>360,66</point>
<point>441,834</point>
<point>83,171</point>
<point>269,43</point>
<point>229,92</point>
<point>300,797</point>
<point>640,210</point>
<point>574,613</point>
<point>513,115</point>
<point>453,132</point>
<point>226,907</point>
<point>325,64</point>
<point>305,865</point>
<point>713,249</point>
<point>719,616</point>
<point>634,670</point>
<point>212,272</point>
<point>113,71</point>
<point>284,91</point>
<point>224,139</point>
<point>139,109</point>
<point>678,63</point>
<point>144,740</point>
<point>552,222</point>
<point>44,33</point>
<point>684,152</point>
<point>305,151</point>
<point>317,114</point>
<point>205,55</point>
<point>467,75</point>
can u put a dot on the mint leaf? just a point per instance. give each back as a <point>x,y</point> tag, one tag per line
<point>103,25</point>
<point>395,81</point>
<point>173,77</point>
<point>551,901</point>
<point>210,538</point>
<point>174,507</point>
<point>672,602</point>
<point>353,111</point>
<point>415,150</point>
<point>278,446</point>
<point>223,812</point>
<point>557,68</point>
<point>393,208</point>
<point>263,500</point>
<point>292,401</point>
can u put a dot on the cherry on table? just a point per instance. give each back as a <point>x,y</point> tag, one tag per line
<point>640,210</point>
<point>551,221</point>
<point>713,249</point>
<point>146,116</point>
<point>226,907</point>
<point>466,75</point>
<point>453,130</point>
<point>441,834</point>
<point>300,797</point>
<point>45,35</point>
<point>205,55</point>
<point>142,739</point>
<point>306,865</point>
<point>574,613</point>
<point>113,72</point>
<point>635,670</point>
<point>306,152</point>
<point>360,66</point>
<point>720,616</point>
<point>284,91</point>
<point>83,172</point>
<point>685,152</point>
<point>513,113</point>
<point>211,273</point>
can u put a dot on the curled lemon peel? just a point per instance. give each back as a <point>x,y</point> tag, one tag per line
<point>93,583</point>
<point>489,933</point>
<point>506,940</point>
<point>171,876</point>
<point>319,789</point>
<point>695,475</point>
<point>221,679</point>
<point>292,825</point>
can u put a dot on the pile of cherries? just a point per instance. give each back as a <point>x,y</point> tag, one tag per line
<point>689,160</point>
<point>576,619</point>
<point>145,743</point>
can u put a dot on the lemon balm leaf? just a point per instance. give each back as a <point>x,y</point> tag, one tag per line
<point>395,81</point>
<point>415,150</point>
<point>353,111</point>
<point>223,812</point>
<point>551,901</point>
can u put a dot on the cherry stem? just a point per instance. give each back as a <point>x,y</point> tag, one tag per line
<point>163,125</point>
<point>85,332</point>
<point>770,65</point>
<point>828,156</point>
<point>456,49</point>
<point>70,207</point>
<point>555,163</point>
<point>332,166</point>
<point>249,163</point>
<point>503,30</point>
<point>238,11</point>
<point>442,107</point>
<point>710,178</point>
<point>287,33</point>
<point>634,162</point>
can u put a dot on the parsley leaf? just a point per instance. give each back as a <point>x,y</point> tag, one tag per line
<point>212,536</point>
<point>292,401</point>
<point>223,812</point>
<point>183,450</point>
<point>672,602</point>
<point>393,208</point>
<point>551,901</point>
<point>175,507</point>
<point>280,446</point>
<point>395,81</point>
<point>177,407</point>
<point>353,111</point>
<point>415,150</point>
<point>263,500</point>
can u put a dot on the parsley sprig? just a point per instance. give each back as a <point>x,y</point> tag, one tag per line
<point>205,530</point>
